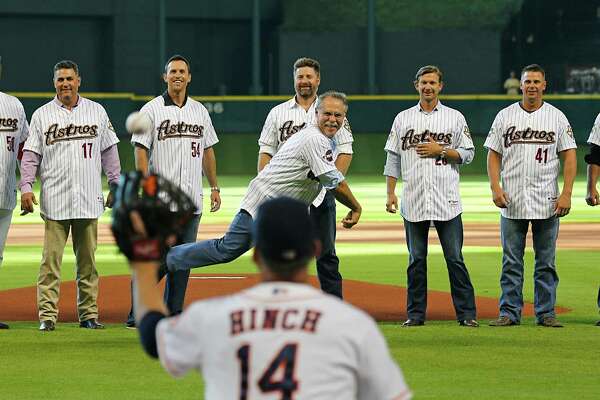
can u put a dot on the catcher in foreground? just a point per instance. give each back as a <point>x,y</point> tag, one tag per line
<point>280,336</point>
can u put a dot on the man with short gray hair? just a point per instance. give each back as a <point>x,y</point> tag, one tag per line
<point>300,169</point>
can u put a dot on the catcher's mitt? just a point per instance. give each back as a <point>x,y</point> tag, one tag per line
<point>162,207</point>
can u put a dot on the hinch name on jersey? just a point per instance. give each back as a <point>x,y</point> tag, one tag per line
<point>286,319</point>
<point>412,139</point>
<point>55,134</point>
<point>168,130</point>
<point>288,129</point>
<point>8,124</point>
<point>513,136</point>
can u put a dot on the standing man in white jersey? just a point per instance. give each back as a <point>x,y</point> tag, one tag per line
<point>13,133</point>
<point>593,172</point>
<point>278,339</point>
<point>426,146</point>
<point>524,145</point>
<point>300,169</point>
<point>71,141</point>
<point>282,122</point>
<point>179,148</point>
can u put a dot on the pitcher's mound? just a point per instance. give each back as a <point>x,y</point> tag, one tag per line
<point>383,302</point>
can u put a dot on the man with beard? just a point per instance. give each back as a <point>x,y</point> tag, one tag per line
<point>300,169</point>
<point>283,121</point>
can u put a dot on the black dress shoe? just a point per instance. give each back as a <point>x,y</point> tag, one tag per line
<point>413,322</point>
<point>91,324</point>
<point>598,323</point>
<point>471,323</point>
<point>46,326</point>
<point>3,325</point>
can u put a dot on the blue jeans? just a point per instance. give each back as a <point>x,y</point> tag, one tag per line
<point>237,240</point>
<point>176,282</point>
<point>327,262</point>
<point>451,238</point>
<point>513,233</point>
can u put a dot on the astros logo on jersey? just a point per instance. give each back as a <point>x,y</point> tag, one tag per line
<point>288,129</point>
<point>55,134</point>
<point>167,130</point>
<point>410,139</point>
<point>8,124</point>
<point>527,136</point>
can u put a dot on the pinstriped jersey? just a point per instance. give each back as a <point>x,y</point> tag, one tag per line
<point>429,186</point>
<point>595,133</point>
<point>13,131</point>
<point>293,171</point>
<point>288,118</point>
<point>529,143</point>
<point>281,340</point>
<point>70,143</point>
<point>176,144</point>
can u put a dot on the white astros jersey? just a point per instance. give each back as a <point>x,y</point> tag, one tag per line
<point>595,133</point>
<point>293,170</point>
<point>176,144</point>
<point>281,340</point>
<point>529,143</point>
<point>70,143</point>
<point>13,131</point>
<point>288,118</point>
<point>430,189</point>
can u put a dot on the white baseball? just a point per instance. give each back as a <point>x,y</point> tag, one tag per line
<point>138,123</point>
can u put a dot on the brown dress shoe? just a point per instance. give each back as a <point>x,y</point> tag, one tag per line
<point>46,326</point>
<point>91,324</point>
<point>503,320</point>
<point>550,322</point>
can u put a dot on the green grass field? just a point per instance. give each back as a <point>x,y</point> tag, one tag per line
<point>440,360</point>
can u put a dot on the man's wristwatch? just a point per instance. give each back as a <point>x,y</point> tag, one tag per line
<point>215,189</point>
<point>444,154</point>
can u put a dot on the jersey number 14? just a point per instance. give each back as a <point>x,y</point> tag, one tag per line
<point>284,361</point>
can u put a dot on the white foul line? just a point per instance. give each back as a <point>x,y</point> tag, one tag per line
<point>217,277</point>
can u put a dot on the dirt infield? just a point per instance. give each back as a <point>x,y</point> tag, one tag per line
<point>383,302</point>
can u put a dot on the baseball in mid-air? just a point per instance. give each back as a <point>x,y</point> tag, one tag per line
<point>138,123</point>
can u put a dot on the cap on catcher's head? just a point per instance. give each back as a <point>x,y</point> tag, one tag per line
<point>284,233</point>
<point>163,208</point>
<point>138,123</point>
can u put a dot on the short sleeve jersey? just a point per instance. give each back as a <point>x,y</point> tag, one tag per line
<point>281,340</point>
<point>71,143</point>
<point>430,187</point>
<point>595,133</point>
<point>289,117</point>
<point>293,171</point>
<point>177,142</point>
<point>14,130</point>
<point>530,143</point>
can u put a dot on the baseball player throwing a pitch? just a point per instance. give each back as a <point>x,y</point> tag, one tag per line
<point>300,169</point>
<point>179,148</point>
<point>71,141</point>
<point>13,133</point>
<point>426,145</point>
<point>593,172</point>
<point>525,144</point>
<point>279,339</point>
<point>283,121</point>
